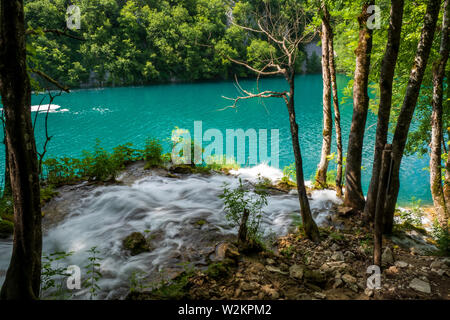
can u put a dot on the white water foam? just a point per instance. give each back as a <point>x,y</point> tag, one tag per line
<point>170,208</point>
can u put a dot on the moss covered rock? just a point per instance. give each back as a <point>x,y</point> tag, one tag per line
<point>136,243</point>
<point>6,228</point>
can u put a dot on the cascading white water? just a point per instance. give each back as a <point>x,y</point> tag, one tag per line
<point>170,208</point>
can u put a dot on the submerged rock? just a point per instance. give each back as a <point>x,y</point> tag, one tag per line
<point>136,243</point>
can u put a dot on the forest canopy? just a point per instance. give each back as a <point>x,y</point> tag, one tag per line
<point>145,41</point>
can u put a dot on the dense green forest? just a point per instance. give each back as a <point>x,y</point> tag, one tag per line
<point>137,42</point>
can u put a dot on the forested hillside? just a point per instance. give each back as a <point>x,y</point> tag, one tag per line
<point>139,42</point>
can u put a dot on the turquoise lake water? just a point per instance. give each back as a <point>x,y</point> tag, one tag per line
<point>131,114</point>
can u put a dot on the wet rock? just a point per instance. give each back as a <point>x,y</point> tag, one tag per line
<point>420,285</point>
<point>136,243</point>
<point>387,257</point>
<point>182,169</point>
<point>296,272</point>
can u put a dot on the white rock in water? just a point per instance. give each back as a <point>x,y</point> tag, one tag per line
<point>420,285</point>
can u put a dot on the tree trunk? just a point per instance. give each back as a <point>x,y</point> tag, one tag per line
<point>321,176</point>
<point>310,227</point>
<point>23,276</point>
<point>383,185</point>
<point>7,184</point>
<point>353,190</point>
<point>337,113</point>
<point>384,109</point>
<point>437,191</point>
<point>409,105</point>
<point>242,233</point>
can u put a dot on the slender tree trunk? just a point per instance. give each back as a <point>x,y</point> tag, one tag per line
<point>337,113</point>
<point>321,176</point>
<point>384,110</point>
<point>23,276</point>
<point>437,191</point>
<point>310,227</point>
<point>353,190</point>
<point>409,105</point>
<point>383,183</point>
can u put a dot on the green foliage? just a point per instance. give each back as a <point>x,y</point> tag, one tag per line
<point>240,199</point>
<point>289,173</point>
<point>221,163</point>
<point>136,42</point>
<point>53,274</point>
<point>47,194</point>
<point>93,273</point>
<point>442,237</point>
<point>410,218</point>
<point>152,153</point>
<point>6,228</point>
<point>219,270</point>
<point>313,63</point>
<point>99,164</point>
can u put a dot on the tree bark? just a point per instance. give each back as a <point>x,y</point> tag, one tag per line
<point>353,189</point>
<point>310,227</point>
<point>337,113</point>
<point>384,109</point>
<point>383,183</point>
<point>437,190</point>
<point>321,176</point>
<point>409,105</point>
<point>23,276</point>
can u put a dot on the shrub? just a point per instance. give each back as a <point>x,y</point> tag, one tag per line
<point>152,153</point>
<point>240,199</point>
<point>442,237</point>
<point>124,154</point>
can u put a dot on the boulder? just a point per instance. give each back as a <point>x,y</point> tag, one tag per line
<point>315,277</point>
<point>420,285</point>
<point>136,243</point>
<point>387,258</point>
